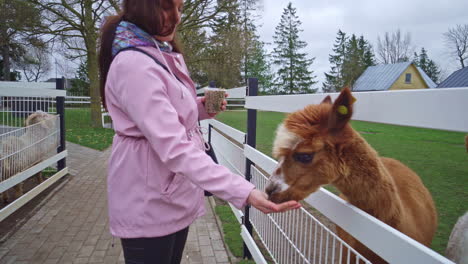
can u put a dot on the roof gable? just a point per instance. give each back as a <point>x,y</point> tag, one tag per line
<point>380,77</point>
<point>457,79</point>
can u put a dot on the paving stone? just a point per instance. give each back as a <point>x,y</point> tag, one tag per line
<point>56,253</point>
<point>218,244</point>
<point>72,225</point>
<point>206,251</point>
<point>81,260</point>
<point>97,256</point>
<point>209,260</point>
<point>204,240</point>
<point>86,251</point>
<point>51,261</point>
<point>221,256</point>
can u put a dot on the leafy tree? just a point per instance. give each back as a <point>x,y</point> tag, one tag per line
<point>14,75</point>
<point>225,49</point>
<point>427,65</point>
<point>203,51</point>
<point>293,75</point>
<point>334,79</point>
<point>17,18</point>
<point>195,47</point>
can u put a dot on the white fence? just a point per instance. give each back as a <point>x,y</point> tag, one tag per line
<point>236,96</point>
<point>298,237</point>
<point>26,151</point>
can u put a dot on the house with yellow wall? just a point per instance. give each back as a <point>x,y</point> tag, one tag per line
<point>398,76</point>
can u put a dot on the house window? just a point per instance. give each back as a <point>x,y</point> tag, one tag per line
<point>408,78</point>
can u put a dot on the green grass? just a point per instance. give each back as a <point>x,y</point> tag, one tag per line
<point>79,130</point>
<point>439,158</point>
<point>6,118</point>
<point>231,229</point>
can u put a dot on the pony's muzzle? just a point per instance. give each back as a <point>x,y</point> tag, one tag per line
<point>272,188</point>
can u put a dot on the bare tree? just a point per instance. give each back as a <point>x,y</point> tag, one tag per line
<point>394,47</point>
<point>456,40</point>
<point>75,24</point>
<point>35,63</point>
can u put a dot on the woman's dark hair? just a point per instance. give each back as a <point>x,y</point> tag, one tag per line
<point>146,14</point>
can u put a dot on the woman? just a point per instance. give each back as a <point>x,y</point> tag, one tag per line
<point>158,168</point>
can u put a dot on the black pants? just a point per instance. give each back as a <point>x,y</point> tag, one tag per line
<point>161,250</point>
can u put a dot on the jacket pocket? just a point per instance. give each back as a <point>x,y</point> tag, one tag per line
<point>173,184</point>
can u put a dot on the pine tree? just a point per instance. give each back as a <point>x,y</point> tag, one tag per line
<point>433,71</point>
<point>358,57</point>
<point>293,75</point>
<point>225,49</point>
<point>334,79</point>
<point>367,55</point>
<point>80,85</point>
<point>427,65</point>
<point>249,37</point>
<point>196,54</point>
<point>258,66</point>
<point>255,62</point>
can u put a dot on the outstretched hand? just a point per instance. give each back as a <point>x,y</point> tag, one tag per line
<point>259,200</point>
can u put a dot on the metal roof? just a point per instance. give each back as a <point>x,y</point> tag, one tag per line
<point>382,77</point>
<point>457,79</point>
<point>427,79</point>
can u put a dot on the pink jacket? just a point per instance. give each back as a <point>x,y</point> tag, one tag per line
<point>158,168</point>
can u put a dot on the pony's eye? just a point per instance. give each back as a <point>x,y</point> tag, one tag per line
<point>303,157</point>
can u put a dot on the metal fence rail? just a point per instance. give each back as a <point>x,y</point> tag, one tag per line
<point>28,150</point>
<point>297,236</point>
<point>14,110</point>
<point>77,101</point>
<point>24,147</point>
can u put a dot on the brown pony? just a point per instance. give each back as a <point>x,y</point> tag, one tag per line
<point>466,143</point>
<point>317,146</point>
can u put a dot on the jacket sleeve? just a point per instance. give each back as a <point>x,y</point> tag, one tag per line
<point>151,110</point>
<point>202,114</point>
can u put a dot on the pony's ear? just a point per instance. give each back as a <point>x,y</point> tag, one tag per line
<point>326,100</point>
<point>341,111</point>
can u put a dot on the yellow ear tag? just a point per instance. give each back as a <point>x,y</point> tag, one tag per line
<point>353,99</point>
<point>342,110</point>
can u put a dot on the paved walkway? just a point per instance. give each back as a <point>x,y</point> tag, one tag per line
<point>70,225</point>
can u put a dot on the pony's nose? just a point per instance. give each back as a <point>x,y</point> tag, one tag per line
<point>271,188</point>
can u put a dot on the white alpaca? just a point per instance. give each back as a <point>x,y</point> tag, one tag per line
<point>457,248</point>
<point>38,126</point>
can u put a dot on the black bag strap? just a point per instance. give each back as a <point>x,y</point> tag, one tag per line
<point>152,57</point>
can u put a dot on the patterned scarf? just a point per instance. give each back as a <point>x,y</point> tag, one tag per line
<point>129,35</point>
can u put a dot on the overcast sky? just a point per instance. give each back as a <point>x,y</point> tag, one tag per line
<point>425,20</point>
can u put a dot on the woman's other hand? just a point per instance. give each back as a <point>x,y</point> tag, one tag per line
<point>258,199</point>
